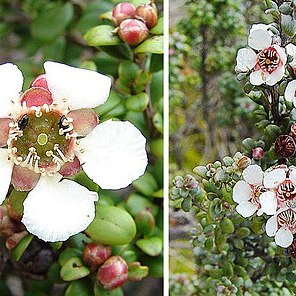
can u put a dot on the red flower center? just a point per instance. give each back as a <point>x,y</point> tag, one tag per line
<point>268,60</point>
<point>257,190</point>
<point>286,191</point>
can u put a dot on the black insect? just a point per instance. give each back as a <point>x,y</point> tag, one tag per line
<point>61,123</point>
<point>23,122</point>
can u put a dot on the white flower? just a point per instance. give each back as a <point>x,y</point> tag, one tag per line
<point>290,92</point>
<point>40,129</point>
<point>251,195</point>
<point>265,61</point>
<point>291,50</point>
<point>282,225</point>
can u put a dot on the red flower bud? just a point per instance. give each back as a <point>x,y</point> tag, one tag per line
<point>257,153</point>
<point>94,255</point>
<point>133,31</point>
<point>148,14</point>
<point>113,273</point>
<point>285,146</point>
<point>123,11</point>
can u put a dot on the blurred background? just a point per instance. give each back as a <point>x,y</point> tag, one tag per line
<point>209,113</point>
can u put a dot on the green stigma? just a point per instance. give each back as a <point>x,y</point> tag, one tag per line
<point>42,139</point>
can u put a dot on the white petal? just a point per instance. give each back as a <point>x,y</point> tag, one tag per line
<point>261,27</point>
<point>281,51</point>
<point>290,91</point>
<point>291,50</point>
<point>268,202</point>
<point>292,175</point>
<point>5,173</point>
<point>284,237</point>
<point>271,226</point>
<point>241,191</point>
<point>245,60</point>
<point>114,154</point>
<point>246,209</point>
<point>253,174</point>
<point>276,76</point>
<point>258,77</point>
<point>55,210</point>
<point>81,88</point>
<point>11,82</point>
<point>274,177</point>
<point>259,39</point>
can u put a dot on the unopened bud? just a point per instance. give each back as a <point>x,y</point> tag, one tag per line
<point>257,153</point>
<point>95,255</point>
<point>190,182</point>
<point>123,11</point>
<point>113,273</point>
<point>133,31</point>
<point>285,146</point>
<point>148,14</point>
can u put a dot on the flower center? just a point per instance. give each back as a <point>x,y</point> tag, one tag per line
<point>287,218</point>
<point>257,190</point>
<point>286,191</point>
<point>41,140</point>
<point>268,59</point>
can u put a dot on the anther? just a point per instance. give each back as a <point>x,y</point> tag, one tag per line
<point>23,122</point>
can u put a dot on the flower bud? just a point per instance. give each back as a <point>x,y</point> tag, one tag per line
<point>123,11</point>
<point>285,146</point>
<point>94,255</point>
<point>257,153</point>
<point>148,14</point>
<point>133,31</point>
<point>113,273</point>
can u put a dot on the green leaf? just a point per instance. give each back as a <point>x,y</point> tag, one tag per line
<point>137,203</point>
<point>288,25</point>
<point>227,269</point>
<point>136,272</point>
<point>146,184</point>
<point>69,253</point>
<point>152,45</point>
<point>158,29</point>
<point>58,17</point>
<point>113,101</point>
<point>243,232</point>
<point>128,72</point>
<point>151,246</point>
<point>112,225</point>
<point>145,223</point>
<point>158,122</point>
<point>143,78</point>
<point>273,131</point>
<point>138,102</point>
<point>73,269</point>
<point>101,36</point>
<point>19,250</point>
<point>80,288</point>
<point>227,226</point>
<point>16,200</point>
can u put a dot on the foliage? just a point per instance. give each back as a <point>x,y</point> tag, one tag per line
<point>35,31</point>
